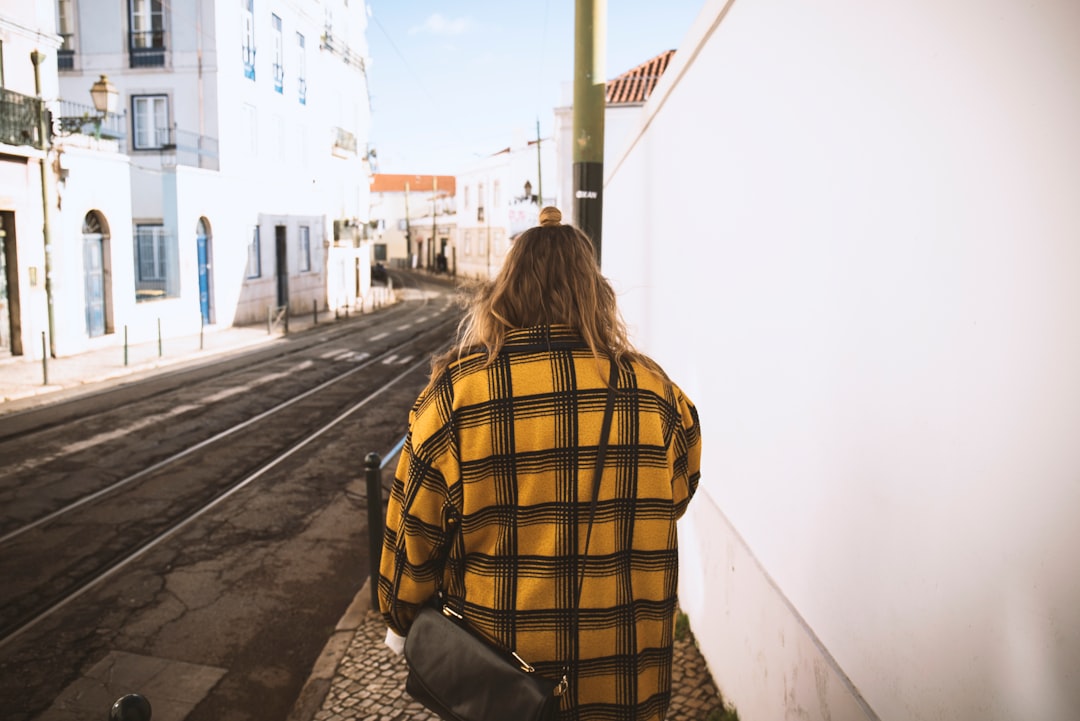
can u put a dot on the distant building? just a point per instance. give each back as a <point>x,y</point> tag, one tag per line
<point>232,179</point>
<point>402,208</point>
<point>500,197</point>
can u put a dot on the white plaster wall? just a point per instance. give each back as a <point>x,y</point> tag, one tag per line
<point>97,181</point>
<point>849,231</point>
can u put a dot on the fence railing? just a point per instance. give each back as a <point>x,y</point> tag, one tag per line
<point>19,116</point>
<point>79,118</point>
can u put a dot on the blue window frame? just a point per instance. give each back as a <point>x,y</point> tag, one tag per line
<point>301,69</point>
<point>279,55</point>
<point>249,38</point>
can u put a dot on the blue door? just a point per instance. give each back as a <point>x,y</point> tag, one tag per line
<point>95,284</point>
<point>204,272</point>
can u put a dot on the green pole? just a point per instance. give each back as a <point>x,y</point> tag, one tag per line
<point>590,30</point>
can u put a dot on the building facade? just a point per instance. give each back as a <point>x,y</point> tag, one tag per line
<point>241,129</point>
<point>499,198</point>
<point>402,231</point>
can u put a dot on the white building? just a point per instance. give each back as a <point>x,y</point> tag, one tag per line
<point>65,184</point>
<point>402,210</point>
<point>246,126</point>
<point>498,198</point>
<point>849,230</point>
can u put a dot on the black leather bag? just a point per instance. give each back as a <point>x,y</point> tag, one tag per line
<point>462,677</point>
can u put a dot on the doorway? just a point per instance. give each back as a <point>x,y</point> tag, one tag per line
<point>10,312</point>
<point>96,275</point>
<point>282,266</point>
<point>202,244</point>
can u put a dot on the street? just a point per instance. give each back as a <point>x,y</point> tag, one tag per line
<point>213,531</point>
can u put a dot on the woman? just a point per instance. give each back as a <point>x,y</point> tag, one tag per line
<point>502,443</point>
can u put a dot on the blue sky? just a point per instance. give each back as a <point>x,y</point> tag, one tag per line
<point>453,81</point>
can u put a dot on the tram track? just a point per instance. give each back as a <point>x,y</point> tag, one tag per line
<point>57,556</point>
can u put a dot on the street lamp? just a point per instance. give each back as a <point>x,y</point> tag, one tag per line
<point>104,95</point>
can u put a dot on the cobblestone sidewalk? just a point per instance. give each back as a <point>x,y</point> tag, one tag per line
<point>370,682</point>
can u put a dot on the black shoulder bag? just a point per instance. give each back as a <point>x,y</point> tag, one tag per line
<point>461,676</point>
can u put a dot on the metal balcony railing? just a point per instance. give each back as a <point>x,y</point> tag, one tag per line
<point>84,119</point>
<point>65,55</point>
<point>147,48</point>
<point>19,117</point>
<point>191,149</point>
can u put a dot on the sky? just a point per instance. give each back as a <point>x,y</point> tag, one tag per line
<point>453,82</point>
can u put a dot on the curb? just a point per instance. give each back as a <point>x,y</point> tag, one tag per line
<point>315,689</point>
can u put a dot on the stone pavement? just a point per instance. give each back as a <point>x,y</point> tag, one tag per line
<point>358,677</point>
<point>23,378</point>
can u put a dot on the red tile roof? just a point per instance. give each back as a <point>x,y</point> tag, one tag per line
<point>635,86</point>
<point>390,183</point>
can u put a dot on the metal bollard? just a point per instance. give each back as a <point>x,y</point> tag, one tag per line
<point>286,320</point>
<point>159,337</point>
<point>132,707</point>
<point>125,346</point>
<point>269,320</point>
<point>44,360</point>
<point>375,522</point>
<point>315,312</point>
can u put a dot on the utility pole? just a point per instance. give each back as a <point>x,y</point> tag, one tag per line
<point>590,32</point>
<point>539,178</point>
<point>408,230</point>
<point>434,196</point>
<point>37,58</point>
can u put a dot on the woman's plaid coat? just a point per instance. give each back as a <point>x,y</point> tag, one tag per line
<point>508,450</point>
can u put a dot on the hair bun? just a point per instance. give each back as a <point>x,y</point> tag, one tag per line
<point>550,215</point>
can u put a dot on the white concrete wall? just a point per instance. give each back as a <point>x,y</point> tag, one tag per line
<point>849,231</point>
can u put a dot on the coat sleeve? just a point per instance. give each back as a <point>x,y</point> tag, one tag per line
<point>416,535</point>
<point>685,453</point>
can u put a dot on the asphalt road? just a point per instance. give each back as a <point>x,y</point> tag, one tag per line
<point>223,615</point>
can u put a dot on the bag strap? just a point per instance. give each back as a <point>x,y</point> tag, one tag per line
<point>601,452</point>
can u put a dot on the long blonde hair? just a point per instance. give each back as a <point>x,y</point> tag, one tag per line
<point>550,276</point>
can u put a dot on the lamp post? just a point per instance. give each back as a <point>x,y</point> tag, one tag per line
<point>37,58</point>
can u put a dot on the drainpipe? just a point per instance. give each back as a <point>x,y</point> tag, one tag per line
<point>37,58</point>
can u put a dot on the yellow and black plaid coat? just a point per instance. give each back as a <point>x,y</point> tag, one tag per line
<point>508,450</point>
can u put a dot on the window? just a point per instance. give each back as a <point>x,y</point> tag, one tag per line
<point>380,252</point>
<point>248,49</point>
<point>153,269</point>
<point>480,203</point>
<point>301,69</point>
<point>254,264</point>
<point>150,119</point>
<point>495,194</point>
<point>65,24</point>
<point>305,248</point>
<point>146,33</point>
<point>466,196</point>
<point>279,55</point>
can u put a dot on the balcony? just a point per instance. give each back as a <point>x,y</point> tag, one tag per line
<point>65,55</point>
<point>147,49</point>
<point>19,117</point>
<point>344,143</point>
<point>85,120</point>
<point>190,149</point>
